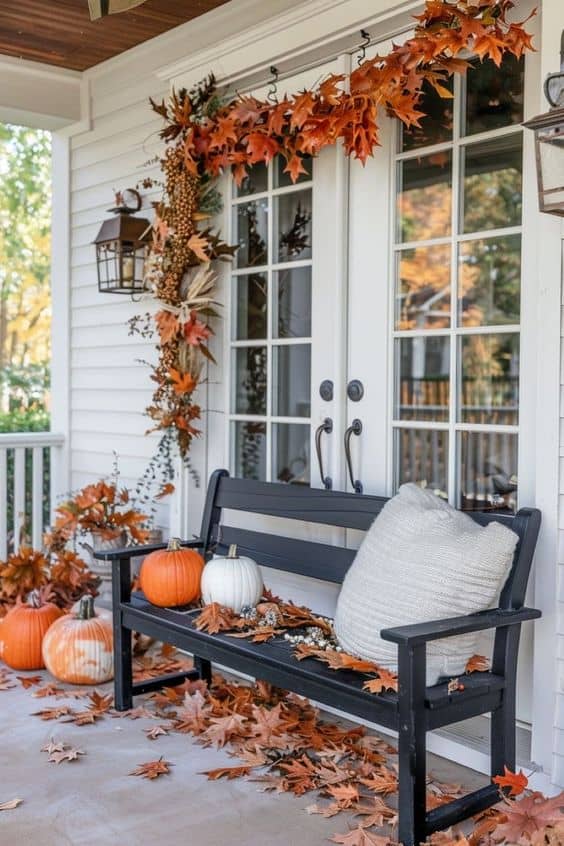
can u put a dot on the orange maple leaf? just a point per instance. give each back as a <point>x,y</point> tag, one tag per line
<point>261,148</point>
<point>516,782</point>
<point>385,681</point>
<point>182,383</point>
<point>195,331</point>
<point>167,324</point>
<point>477,664</point>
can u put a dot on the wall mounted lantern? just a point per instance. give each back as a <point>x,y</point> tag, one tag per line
<point>549,144</point>
<point>121,247</point>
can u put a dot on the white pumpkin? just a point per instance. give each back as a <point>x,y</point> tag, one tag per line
<point>232,580</point>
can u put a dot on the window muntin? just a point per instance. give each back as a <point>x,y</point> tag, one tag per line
<point>457,273</point>
<point>270,348</point>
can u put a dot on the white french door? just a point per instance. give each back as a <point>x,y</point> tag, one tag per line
<point>434,340</point>
<point>374,316</point>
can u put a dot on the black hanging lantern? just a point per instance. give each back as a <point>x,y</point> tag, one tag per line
<point>121,247</point>
<point>549,144</point>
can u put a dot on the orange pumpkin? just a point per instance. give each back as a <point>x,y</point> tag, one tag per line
<point>23,630</point>
<point>172,576</point>
<point>78,648</point>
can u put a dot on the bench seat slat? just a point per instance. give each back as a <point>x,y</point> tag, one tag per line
<point>298,502</point>
<point>338,688</point>
<point>307,558</point>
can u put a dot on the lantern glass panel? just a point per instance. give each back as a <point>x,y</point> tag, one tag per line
<point>551,162</point>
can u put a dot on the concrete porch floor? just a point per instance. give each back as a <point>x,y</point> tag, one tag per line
<point>94,801</point>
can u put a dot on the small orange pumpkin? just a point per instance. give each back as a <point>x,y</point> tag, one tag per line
<point>23,630</point>
<point>78,648</point>
<point>172,576</point>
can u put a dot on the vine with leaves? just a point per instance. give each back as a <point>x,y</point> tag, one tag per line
<point>207,133</point>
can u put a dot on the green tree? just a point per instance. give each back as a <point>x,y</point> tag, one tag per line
<point>25,300</point>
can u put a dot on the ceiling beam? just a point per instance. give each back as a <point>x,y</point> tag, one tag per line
<point>37,95</point>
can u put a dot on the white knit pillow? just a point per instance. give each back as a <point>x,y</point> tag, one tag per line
<point>421,560</point>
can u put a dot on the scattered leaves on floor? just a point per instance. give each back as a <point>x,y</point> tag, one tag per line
<point>282,743</point>
<point>152,769</point>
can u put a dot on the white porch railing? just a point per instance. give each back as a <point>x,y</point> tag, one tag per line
<point>30,479</point>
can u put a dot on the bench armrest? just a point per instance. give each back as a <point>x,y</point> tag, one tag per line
<point>419,633</point>
<point>134,551</point>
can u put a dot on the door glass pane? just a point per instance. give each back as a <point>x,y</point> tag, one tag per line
<point>250,306</point>
<point>490,379</point>
<point>250,449</point>
<point>250,380</point>
<point>494,96</point>
<point>488,471</point>
<point>292,226</point>
<point>255,183</point>
<point>436,126</point>
<point>492,183</point>
<point>489,281</point>
<point>422,457</point>
<point>290,453</point>
<point>283,180</point>
<point>292,303</point>
<point>291,377</point>
<point>424,198</point>
<point>250,227</point>
<point>423,288</point>
<point>422,392</point>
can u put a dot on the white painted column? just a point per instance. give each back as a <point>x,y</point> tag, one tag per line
<point>60,322</point>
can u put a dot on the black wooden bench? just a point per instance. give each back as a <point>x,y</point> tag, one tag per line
<point>415,709</point>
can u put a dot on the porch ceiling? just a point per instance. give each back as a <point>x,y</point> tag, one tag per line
<point>61,33</point>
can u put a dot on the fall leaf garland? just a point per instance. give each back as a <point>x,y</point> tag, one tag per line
<point>206,135</point>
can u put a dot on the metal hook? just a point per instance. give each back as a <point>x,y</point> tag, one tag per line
<point>365,35</point>
<point>272,93</point>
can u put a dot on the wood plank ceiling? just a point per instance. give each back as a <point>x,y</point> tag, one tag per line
<point>60,32</point>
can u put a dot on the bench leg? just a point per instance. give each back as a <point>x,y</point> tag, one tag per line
<point>203,668</point>
<point>412,746</point>
<point>123,672</point>
<point>502,730</point>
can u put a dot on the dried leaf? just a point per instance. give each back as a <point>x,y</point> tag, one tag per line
<point>10,804</point>
<point>66,754</point>
<point>515,783</point>
<point>29,681</point>
<point>215,618</point>
<point>152,769</point>
<point>477,664</point>
<point>360,837</point>
<point>53,713</point>
<point>155,732</point>
<point>227,772</point>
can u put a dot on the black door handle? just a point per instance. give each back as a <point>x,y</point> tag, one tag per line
<point>326,426</point>
<point>354,429</point>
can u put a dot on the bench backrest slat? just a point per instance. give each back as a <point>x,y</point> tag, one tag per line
<point>298,502</point>
<point>306,558</point>
<point>330,508</point>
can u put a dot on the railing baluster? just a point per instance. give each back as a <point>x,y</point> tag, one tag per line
<point>19,495</point>
<point>3,504</point>
<point>37,496</point>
